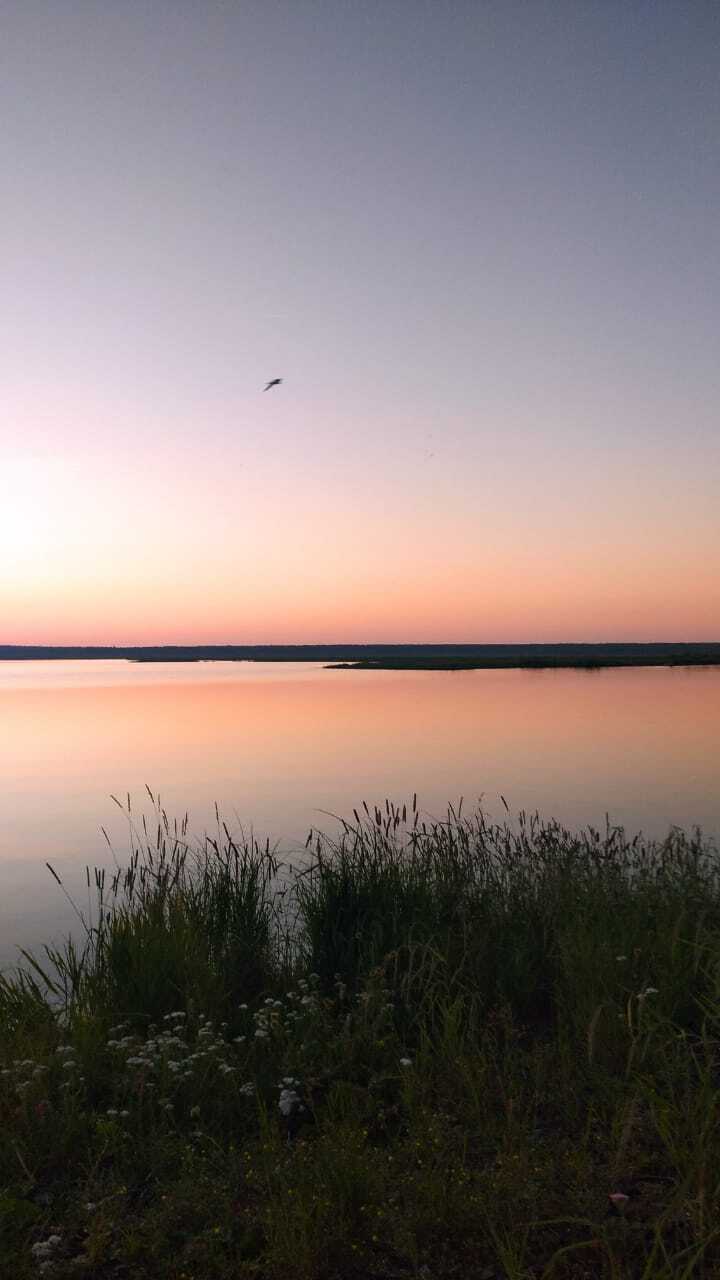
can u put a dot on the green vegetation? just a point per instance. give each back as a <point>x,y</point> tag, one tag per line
<point>452,1049</point>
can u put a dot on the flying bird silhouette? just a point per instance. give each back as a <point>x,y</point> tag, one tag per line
<point>274,382</point>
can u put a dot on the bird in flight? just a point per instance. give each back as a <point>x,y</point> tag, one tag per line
<point>274,382</point>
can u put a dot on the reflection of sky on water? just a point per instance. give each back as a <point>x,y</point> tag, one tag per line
<point>279,746</point>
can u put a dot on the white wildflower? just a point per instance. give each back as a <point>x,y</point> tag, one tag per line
<point>289,1100</point>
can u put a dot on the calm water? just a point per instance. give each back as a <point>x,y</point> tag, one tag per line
<point>280,745</point>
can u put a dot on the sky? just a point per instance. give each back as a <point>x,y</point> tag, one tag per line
<point>480,243</point>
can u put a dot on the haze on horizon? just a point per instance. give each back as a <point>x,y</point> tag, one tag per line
<point>480,245</point>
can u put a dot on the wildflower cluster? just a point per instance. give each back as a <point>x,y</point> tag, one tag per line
<point>278,1018</point>
<point>290,1100</point>
<point>44,1252</point>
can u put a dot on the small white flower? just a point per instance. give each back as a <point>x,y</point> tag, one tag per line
<point>620,959</point>
<point>406,1062</point>
<point>261,1034</point>
<point>289,1100</point>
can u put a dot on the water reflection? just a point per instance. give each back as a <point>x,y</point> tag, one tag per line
<point>279,743</point>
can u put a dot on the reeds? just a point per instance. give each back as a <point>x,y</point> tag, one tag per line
<point>499,1046</point>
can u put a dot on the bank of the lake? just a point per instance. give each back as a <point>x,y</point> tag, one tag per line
<point>443,1049</point>
<point>396,657</point>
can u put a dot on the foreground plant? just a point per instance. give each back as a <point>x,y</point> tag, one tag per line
<point>433,1048</point>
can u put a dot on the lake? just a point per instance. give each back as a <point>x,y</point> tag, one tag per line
<point>280,746</point>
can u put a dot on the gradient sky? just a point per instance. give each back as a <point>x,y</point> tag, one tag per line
<point>479,241</point>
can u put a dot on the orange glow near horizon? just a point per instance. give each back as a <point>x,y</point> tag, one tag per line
<point>97,558</point>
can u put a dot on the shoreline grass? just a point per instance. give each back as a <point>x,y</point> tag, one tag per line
<point>438,1049</point>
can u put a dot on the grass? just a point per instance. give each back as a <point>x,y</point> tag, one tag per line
<point>440,1049</point>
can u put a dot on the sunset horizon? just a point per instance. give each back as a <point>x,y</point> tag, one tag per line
<point>360,639</point>
<point>473,260</point>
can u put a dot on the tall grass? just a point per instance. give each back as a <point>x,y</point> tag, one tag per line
<point>430,1046</point>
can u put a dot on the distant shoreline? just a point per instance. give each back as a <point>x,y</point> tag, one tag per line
<point>547,663</point>
<point>386,657</point>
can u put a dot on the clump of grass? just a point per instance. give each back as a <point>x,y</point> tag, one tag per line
<point>432,1047</point>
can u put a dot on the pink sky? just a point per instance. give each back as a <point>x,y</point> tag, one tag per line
<point>483,251</point>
